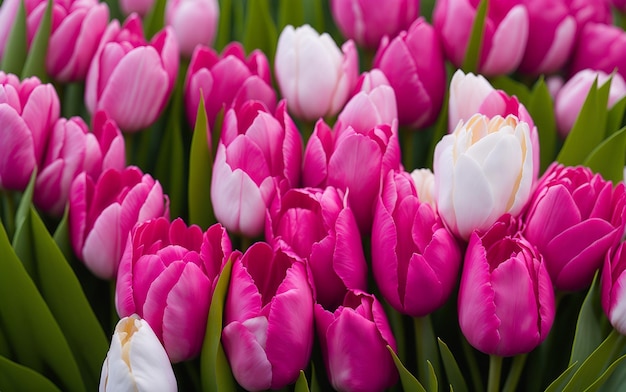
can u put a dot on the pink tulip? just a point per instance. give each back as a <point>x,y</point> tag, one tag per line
<point>77,27</point>
<point>314,76</point>
<point>612,284</point>
<point>620,5</point>
<point>226,80</point>
<point>140,7</point>
<point>317,225</point>
<point>268,318</point>
<point>258,154</point>
<point>129,78</point>
<point>28,111</point>
<point>415,259</point>
<point>104,147</point>
<point>194,22</point>
<point>354,340</point>
<point>167,276</point>
<point>504,38</point>
<point>572,95</point>
<point>586,11</point>
<point>506,300</point>
<point>367,21</point>
<point>574,216</point>
<point>419,85</point>
<point>551,37</point>
<point>600,47</point>
<point>102,213</point>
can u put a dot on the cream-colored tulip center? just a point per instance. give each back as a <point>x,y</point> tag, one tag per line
<point>125,332</point>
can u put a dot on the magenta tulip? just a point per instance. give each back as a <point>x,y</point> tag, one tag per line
<point>28,111</point>
<point>590,11</point>
<point>354,340</point>
<point>506,300</point>
<point>194,22</point>
<point>105,147</point>
<point>129,78</point>
<point>415,259</point>
<point>573,218</point>
<point>167,276</point>
<point>226,80</point>
<point>620,5</point>
<point>613,284</point>
<point>268,318</point>
<point>258,154</point>
<point>102,214</point>
<point>600,47</point>
<point>504,38</point>
<point>367,22</point>
<point>419,85</point>
<point>319,227</point>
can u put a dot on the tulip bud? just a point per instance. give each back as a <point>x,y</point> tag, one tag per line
<point>136,360</point>
<point>129,78</point>
<point>268,318</point>
<point>314,76</point>
<point>600,47</point>
<point>194,22</point>
<point>506,300</point>
<point>484,169</point>
<point>104,147</point>
<point>612,285</point>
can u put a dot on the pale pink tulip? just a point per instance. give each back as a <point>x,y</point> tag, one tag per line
<point>194,22</point>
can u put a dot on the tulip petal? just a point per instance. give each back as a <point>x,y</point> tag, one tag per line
<point>103,247</point>
<point>247,358</point>
<point>508,43</point>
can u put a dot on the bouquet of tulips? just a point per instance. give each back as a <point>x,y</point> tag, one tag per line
<point>312,195</point>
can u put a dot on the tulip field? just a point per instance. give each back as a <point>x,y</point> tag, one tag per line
<point>315,195</point>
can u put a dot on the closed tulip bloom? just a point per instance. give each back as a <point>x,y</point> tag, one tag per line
<point>572,95</point>
<point>258,154</point>
<point>105,147</point>
<point>194,22</point>
<point>102,214</point>
<point>354,340</point>
<point>314,75</point>
<point>366,22</point>
<point>612,286</point>
<point>226,80</point>
<point>600,47</point>
<point>506,300</point>
<point>424,180</point>
<point>573,218</point>
<point>419,84</point>
<point>167,276</point>
<point>594,11</point>
<point>268,319</point>
<point>318,226</point>
<point>136,361</point>
<point>484,169</point>
<point>504,38</point>
<point>129,78</point>
<point>28,111</point>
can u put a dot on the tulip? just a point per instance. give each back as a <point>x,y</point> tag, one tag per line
<point>8,11</point>
<point>319,227</point>
<point>419,85</point>
<point>129,78</point>
<point>600,47</point>
<point>367,22</point>
<point>226,81</point>
<point>167,276</point>
<point>257,154</point>
<point>586,11</point>
<point>484,169</point>
<point>102,213</point>
<point>268,318</point>
<point>314,76</point>
<point>140,7</point>
<point>354,340</point>
<point>194,22</point>
<point>136,360</point>
<point>573,218</point>
<point>504,37</point>
<point>424,180</point>
<point>104,147</point>
<point>506,300</point>
<point>620,5</point>
<point>572,95</point>
<point>551,37</point>
<point>612,287</point>
<point>28,111</point>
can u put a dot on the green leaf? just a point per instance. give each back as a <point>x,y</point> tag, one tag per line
<point>314,14</point>
<point>315,387</point>
<point>588,333</point>
<point>513,88</point>
<point>224,25</point>
<point>23,209</point>
<point>214,370</point>
<point>290,13</point>
<point>433,385</point>
<point>472,53</point>
<point>62,236</point>
<point>200,170</point>
<point>17,44</point>
<point>16,377</point>
<point>559,383</point>
<point>453,371</point>
<point>609,157</point>
<point>409,382</point>
<point>155,19</point>
<point>260,31</point>
<point>605,376</point>
<point>301,384</point>
<point>35,64</point>
<point>22,240</point>
<point>541,109</point>
<point>615,117</point>
<point>35,337</point>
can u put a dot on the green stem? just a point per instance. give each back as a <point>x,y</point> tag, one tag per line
<point>514,374</point>
<point>426,347</point>
<point>407,138</point>
<point>495,368</point>
<point>8,207</point>
<point>468,351</point>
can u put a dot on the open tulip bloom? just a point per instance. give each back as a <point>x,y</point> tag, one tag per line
<point>343,195</point>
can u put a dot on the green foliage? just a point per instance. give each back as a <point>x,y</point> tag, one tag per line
<point>409,382</point>
<point>472,53</point>
<point>35,64</point>
<point>16,44</point>
<point>15,377</point>
<point>453,371</point>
